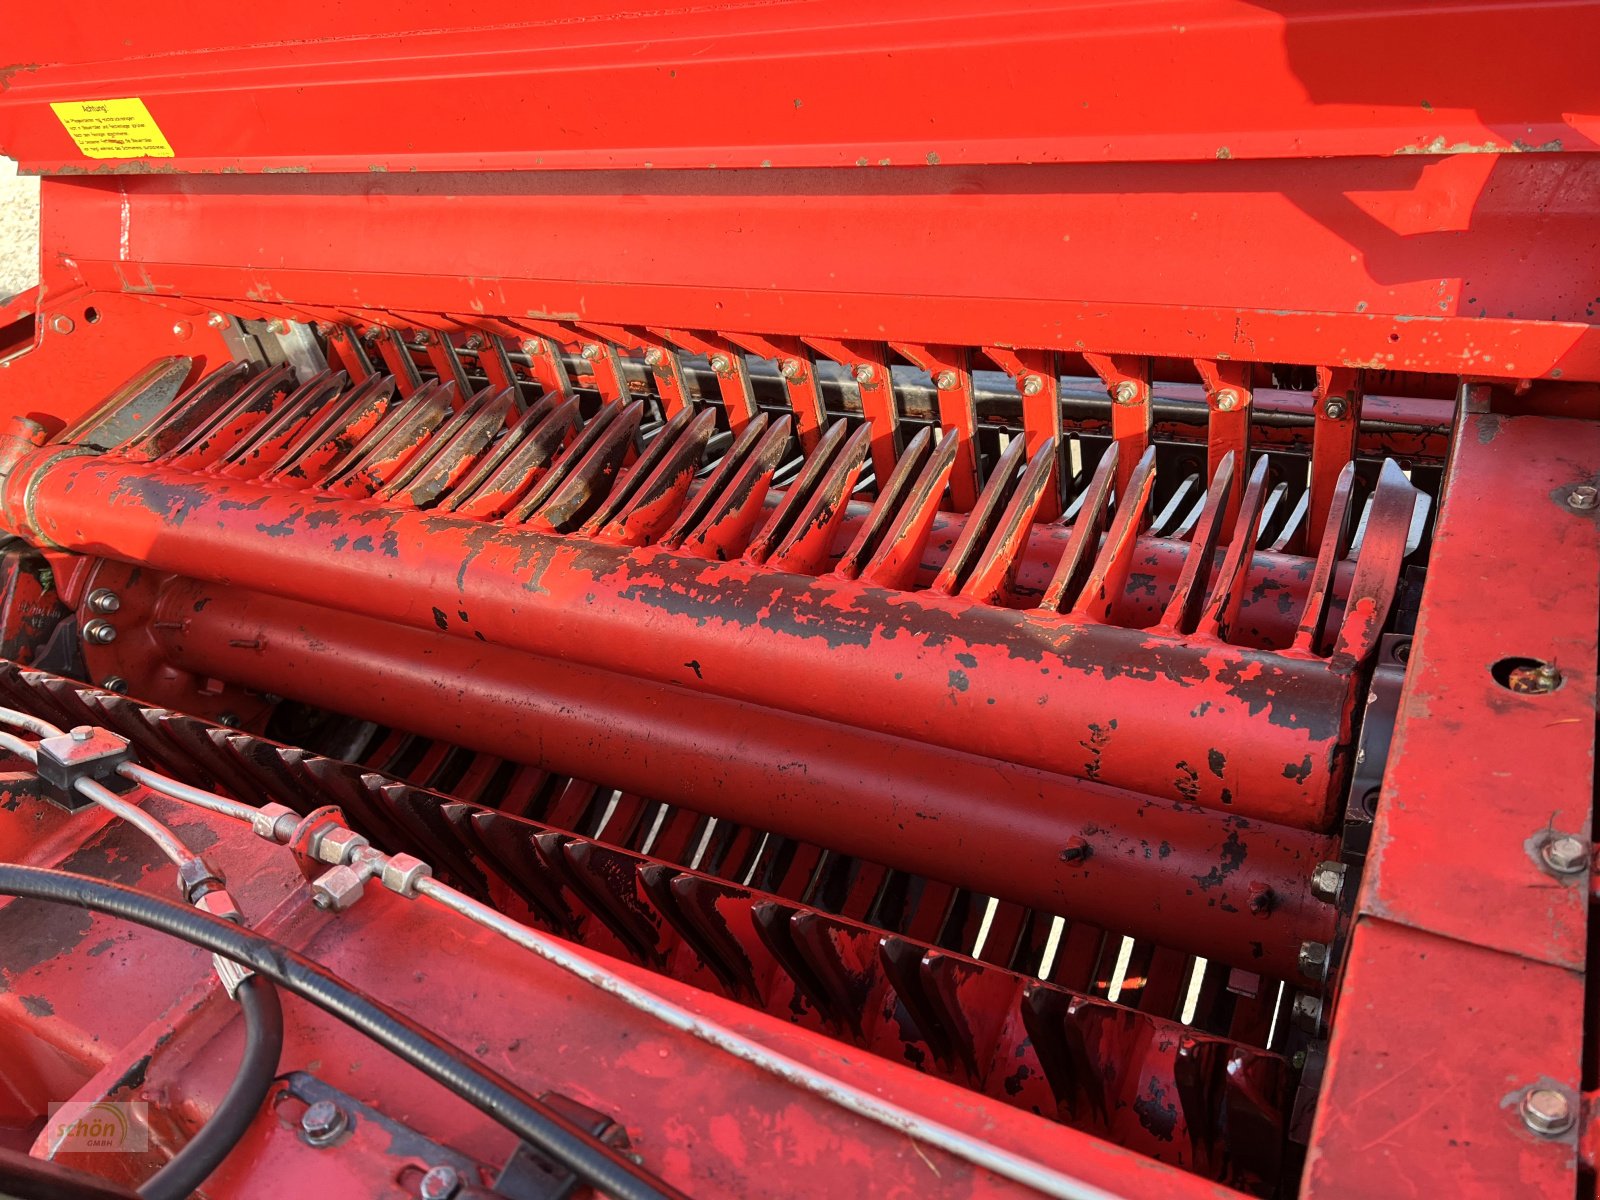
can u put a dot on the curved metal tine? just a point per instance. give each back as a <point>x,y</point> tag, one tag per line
<point>1185,527</point>
<point>121,415</point>
<point>1227,593</point>
<point>813,466</point>
<point>894,563</point>
<point>1183,610</point>
<point>264,448</point>
<point>517,460</point>
<point>660,447</point>
<point>992,580</point>
<point>331,432</point>
<point>459,450</point>
<point>589,482</point>
<point>1377,575</point>
<point>1167,517</point>
<point>1092,508</point>
<point>198,449</point>
<point>563,464</point>
<point>453,424</point>
<point>405,439</point>
<point>393,418</point>
<point>806,546</point>
<point>1309,634</point>
<point>661,497</point>
<point>185,413</point>
<point>1109,575</point>
<point>980,521</point>
<point>866,539</point>
<point>1291,527</point>
<point>718,476</point>
<point>736,508</point>
<point>1275,499</point>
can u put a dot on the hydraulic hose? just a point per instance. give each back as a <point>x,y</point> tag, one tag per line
<point>263,1044</point>
<point>548,1132</point>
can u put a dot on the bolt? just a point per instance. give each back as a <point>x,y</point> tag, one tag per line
<point>82,733</point>
<point>654,357</point>
<point>1327,881</point>
<point>440,1183</point>
<point>375,333</point>
<point>61,323</point>
<point>1334,410</point>
<point>1126,392</point>
<point>100,633</point>
<point>790,368</point>
<point>1548,1111</point>
<point>473,343</point>
<point>104,600</point>
<point>114,683</point>
<point>1314,960</point>
<point>229,720</point>
<point>945,380</point>
<point>721,364</point>
<point>422,338</point>
<point>1583,498</point>
<point>1565,854</point>
<point>532,347</point>
<point>1227,400</point>
<point>865,373</point>
<point>1307,1012</point>
<point>1032,385</point>
<point>591,351</point>
<point>278,326</point>
<point>181,330</point>
<point>1077,849</point>
<point>217,320</point>
<point>1261,899</point>
<point>1547,678</point>
<point>323,1122</point>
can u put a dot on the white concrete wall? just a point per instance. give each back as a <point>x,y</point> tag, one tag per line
<point>19,230</point>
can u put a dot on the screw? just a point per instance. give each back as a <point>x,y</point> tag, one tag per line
<point>1583,498</point>
<point>532,347</point>
<point>1548,1111</point>
<point>61,323</point>
<point>1077,849</point>
<point>1314,960</point>
<point>721,364</point>
<point>1334,410</point>
<point>790,368</point>
<point>422,338</point>
<point>1307,1012</point>
<point>1032,385</point>
<point>473,343</point>
<point>278,326</point>
<point>375,333</point>
<point>323,1122</point>
<point>82,733</point>
<point>217,320</point>
<point>944,380</point>
<point>440,1183</point>
<point>591,352</point>
<point>114,683</point>
<point>104,600</point>
<point>1227,400</point>
<point>1327,881</point>
<point>1126,392</point>
<point>100,633</point>
<point>1261,899</point>
<point>1565,854</point>
<point>865,373</point>
<point>654,358</point>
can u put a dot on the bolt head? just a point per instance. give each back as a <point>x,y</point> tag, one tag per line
<point>1126,392</point>
<point>790,368</point>
<point>532,347</point>
<point>1307,1012</point>
<point>114,683</point>
<point>1334,410</point>
<point>721,364</point>
<point>654,357</point>
<point>278,326</point>
<point>1566,854</point>
<point>591,351</point>
<point>322,1122</point>
<point>1327,881</point>
<point>1032,385</point>
<point>61,323</point>
<point>473,343</point>
<point>1314,960</point>
<point>82,733</point>
<point>439,1183</point>
<point>181,330</point>
<point>864,373</point>
<point>945,380</point>
<point>1549,1112</point>
<point>100,633</point>
<point>1227,400</point>
<point>1583,498</point>
<point>104,600</point>
<point>217,320</point>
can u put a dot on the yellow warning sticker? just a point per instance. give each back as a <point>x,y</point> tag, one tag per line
<point>113,128</point>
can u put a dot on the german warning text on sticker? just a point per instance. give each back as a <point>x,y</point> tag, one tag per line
<point>113,128</point>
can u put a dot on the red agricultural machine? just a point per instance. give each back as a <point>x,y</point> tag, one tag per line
<point>801,599</point>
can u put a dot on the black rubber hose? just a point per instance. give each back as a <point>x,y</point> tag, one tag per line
<point>263,1044</point>
<point>547,1131</point>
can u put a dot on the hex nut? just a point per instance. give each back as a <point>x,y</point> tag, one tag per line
<point>790,368</point>
<point>1334,410</point>
<point>1314,960</point>
<point>1583,498</point>
<point>99,633</point>
<point>1307,1012</point>
<point>61,323</point>
<point>654,357</point>
<point>864,373</point>
<point>439,1183</point>
<point>1548,1111</point>
<point>945,380</point>
<point>1565,854</point>
<point>1227,400</point>
<point>401,873</point>
<point>274,822</point>
<point>1327,881</point>
<point>1126,392</point>
<point>323,1122</point>
<point>104,600</point>
<point>337,888</point>
<point>336,844</point>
